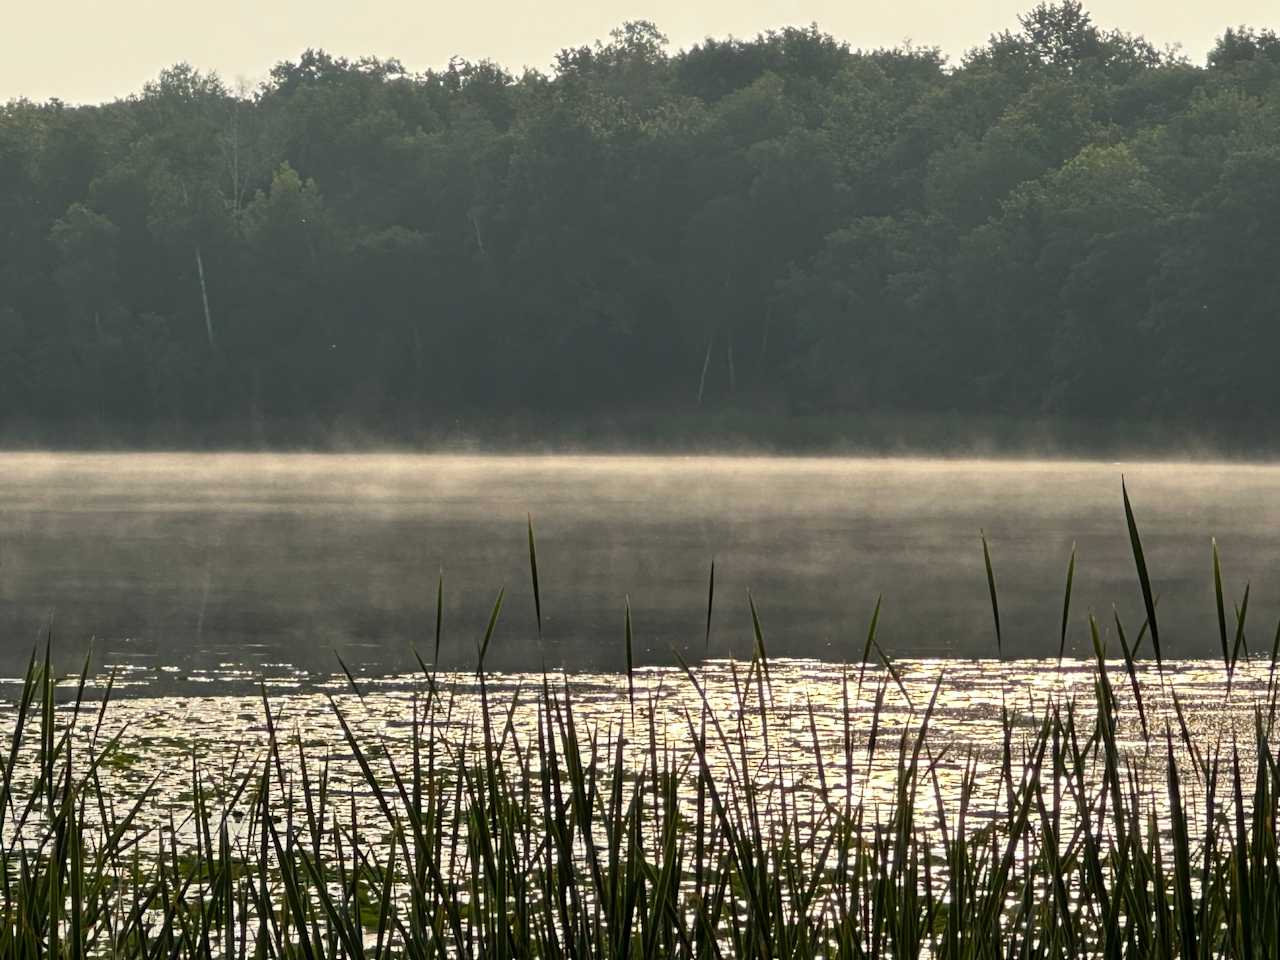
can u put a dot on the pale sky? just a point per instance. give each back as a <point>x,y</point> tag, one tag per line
<point>93,50</point>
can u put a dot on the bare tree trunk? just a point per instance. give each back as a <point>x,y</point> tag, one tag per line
<point>204,296</point>
<point>706,362</point>
<point>231,149</point>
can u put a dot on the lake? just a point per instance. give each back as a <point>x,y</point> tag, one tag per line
<point>191,566</point>
<point>789,726</point>
<point>221,587</point>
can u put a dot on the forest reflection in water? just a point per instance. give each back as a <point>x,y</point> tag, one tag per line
<point>184,564</point>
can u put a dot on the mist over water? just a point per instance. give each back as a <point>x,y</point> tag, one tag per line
<point>186,565</point>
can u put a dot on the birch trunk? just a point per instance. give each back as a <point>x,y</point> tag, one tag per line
<point>204,296</point>
<point>706,362</point>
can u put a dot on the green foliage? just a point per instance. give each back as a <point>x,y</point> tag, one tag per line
<point>1066,223</point>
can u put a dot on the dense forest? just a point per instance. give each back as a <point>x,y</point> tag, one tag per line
<point>1066,224</point>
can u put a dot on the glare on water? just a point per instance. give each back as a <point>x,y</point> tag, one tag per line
<point>795,745</point>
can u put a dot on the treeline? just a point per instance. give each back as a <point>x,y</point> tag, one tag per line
<point>1068,223</point>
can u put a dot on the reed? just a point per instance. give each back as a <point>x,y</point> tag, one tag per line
<point>605,841</point>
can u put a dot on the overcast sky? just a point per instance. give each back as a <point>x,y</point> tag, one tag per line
<point>91,50</point>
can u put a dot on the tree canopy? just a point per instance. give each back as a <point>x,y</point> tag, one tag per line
<point>1068,223</point>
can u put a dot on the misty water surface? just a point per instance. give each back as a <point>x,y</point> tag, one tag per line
<point>185,564</point>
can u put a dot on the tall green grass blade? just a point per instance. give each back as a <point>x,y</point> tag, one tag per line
<point>870,642</point>
<point>488,631</point>
<point>1066,604</point>
<point>1242,614</point>
<point>991,589</point>
<point>435,656</point>
<point>758,634</point>
<point>1144,580</point>
<point>533,572</point>
<point>1222,615</point>
<point>711,600</point>
<point>631,664</point>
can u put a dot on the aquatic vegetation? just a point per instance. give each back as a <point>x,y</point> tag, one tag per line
<point>1104,824</point>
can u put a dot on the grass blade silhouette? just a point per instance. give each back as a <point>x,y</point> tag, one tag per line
<point>1222,614</point>
<point>991,587</point>
<point>711,600</point>
<point>533,571</point>
<point>439,618</point>
<point>871,639</point>
<point>631,685</point>
<point>488,630</point>
<point>1066,604</point>
<point>1144,579</point>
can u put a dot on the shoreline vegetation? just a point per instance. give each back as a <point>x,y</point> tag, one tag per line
<point>1106,831</point>
<point>568,839</point>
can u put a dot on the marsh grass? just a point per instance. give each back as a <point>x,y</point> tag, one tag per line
<point>583,841</point>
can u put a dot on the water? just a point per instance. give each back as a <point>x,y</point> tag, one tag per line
<point>185,566</point>
<point>201,575</point>
<point>793,750</point>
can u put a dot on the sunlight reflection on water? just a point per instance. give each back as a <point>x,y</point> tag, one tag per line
<point>804,699</point>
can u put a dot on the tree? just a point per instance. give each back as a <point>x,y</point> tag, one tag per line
<point>285,344</point>
<point>86,244</point>
<point>1063,224</point>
